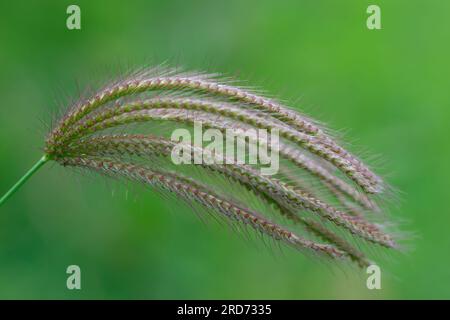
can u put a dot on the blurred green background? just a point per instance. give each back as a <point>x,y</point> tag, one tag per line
<point>389,88</point>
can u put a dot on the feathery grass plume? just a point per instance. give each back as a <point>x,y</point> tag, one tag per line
<point>333,206</point>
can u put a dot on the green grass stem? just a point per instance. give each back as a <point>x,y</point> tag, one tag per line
<point>22,180</point>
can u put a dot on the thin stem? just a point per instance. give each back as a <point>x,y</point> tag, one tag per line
<point>22,180</point>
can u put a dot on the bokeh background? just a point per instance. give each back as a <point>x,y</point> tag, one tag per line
<point>389,89</point>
